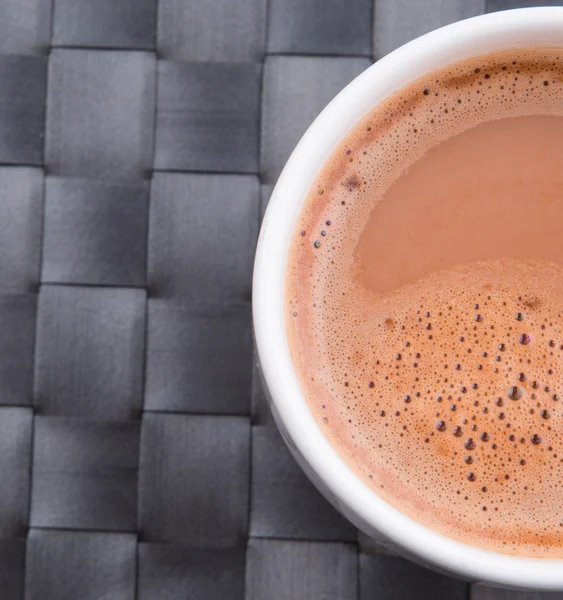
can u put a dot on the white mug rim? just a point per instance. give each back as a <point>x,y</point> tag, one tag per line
<point>520,28</point>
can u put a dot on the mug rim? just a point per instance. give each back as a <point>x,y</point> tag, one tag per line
<point>481,35</point>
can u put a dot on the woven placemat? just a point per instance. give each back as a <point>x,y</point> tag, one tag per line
<point>139,143</point>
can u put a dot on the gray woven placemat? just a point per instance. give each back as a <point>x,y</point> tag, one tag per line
<point>139,143</point>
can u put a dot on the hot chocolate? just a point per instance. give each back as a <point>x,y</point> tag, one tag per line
<point>424,298</point>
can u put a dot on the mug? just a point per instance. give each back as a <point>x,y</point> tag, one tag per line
<point>523,28</point>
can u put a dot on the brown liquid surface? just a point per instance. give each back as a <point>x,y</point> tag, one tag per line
<point>493,191</point>
<point>424,301</point>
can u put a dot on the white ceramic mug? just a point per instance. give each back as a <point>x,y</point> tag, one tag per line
<point>525,28</point>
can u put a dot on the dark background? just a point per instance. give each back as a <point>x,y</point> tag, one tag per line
<point>139,143</point>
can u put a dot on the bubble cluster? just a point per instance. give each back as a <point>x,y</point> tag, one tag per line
<point>443,394</point>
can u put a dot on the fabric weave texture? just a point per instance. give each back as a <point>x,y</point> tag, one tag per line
<point>139,144</point>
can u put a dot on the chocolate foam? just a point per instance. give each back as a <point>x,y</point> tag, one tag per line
<point>445,393</point>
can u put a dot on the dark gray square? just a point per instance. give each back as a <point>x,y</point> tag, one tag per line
<point>174,573</point>
<point>75,565</point>
<point>394,578</point>
<point>320,27</point>
<point>85,474</point>
<point>280,570</point>
<point>207,117</point>
<point>193,480</point>
<point>284,503</point>
<point>25,26</point>
<point>100,113</point>
<point>482,592</point>
<point>295,90</point>
<point>95,232</point>
<point>21,212</point>
<point>17,324</point>
<point>105,23</point>
<point>397,22</point>
<point>12,569</point>
<point>202,237</point>
<point>15,462</point>
<point>23,81</point>
<point>494,5</point>
<point>215,30</point>
<point>89,357</point>
<point>199,359</point>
